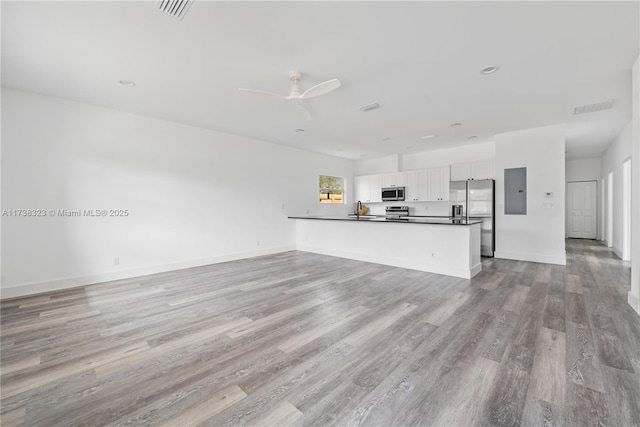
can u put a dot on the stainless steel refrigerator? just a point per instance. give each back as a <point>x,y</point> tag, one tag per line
<point>478,202</point>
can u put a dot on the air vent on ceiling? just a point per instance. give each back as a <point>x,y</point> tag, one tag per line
<point>175,8</point>
<point>369,107</point>
<point>592,108</point>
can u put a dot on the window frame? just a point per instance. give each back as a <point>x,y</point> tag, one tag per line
<point>330,190</point>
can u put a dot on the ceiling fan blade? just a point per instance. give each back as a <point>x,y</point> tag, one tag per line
<point>305,113</point>
<point>262,93</point>
<point>321,89</point>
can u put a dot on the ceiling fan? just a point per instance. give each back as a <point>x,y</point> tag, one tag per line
<point>296,95</point>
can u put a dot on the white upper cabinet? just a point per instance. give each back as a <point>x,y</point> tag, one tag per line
<point>368,188</point>
<point>445,178</point>
<point>483,169</point>
<point>412,186</point>
<point>376,188</point>
<point>423,185</point>
<point>401,179</point>
<point>438,184</point>
<point>460,171</point>
<point>427,185</point>
<point>398,179</point>
<point>389,180</point>
<point>362,185</point>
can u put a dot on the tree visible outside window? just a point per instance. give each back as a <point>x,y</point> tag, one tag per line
<point>331,189</point>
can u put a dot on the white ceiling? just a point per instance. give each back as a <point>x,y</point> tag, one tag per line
<point>420,61</point>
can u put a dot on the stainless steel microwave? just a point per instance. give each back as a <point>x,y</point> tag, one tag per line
<point>392,194</point>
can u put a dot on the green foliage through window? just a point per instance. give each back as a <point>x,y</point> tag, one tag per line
<point>331,189</point>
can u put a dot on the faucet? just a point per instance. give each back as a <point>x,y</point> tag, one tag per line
<point>358,206</point>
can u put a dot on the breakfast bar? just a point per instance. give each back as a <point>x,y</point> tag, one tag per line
<point>435,245</point>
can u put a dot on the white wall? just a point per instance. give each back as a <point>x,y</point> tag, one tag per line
<point>194,196</point>
<point>423,160</point>
<point>374,166</point>
<point>583,169</point>
<point>467,153</point>
<point>616,154</point>
<point>587,170</point>
<point>539,235</point>
<point>634,293</point>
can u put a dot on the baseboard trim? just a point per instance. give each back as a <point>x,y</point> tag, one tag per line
<point>634,302</point>
<point>618,253</point>
<point>476,269</point>
<point>73,282</point>
<point>540,258</point>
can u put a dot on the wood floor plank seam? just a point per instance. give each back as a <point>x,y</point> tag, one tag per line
<point>304,339</point>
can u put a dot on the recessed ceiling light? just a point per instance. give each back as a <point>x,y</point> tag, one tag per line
<point>127,83</point>
<point>386,139</point>
<point>299,130</point>
<point>370,107</point>
<point>489,70</point>
<point>433,135</point>
<point>456,125</point>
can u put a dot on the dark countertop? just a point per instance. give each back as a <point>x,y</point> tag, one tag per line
<point>406,220</point>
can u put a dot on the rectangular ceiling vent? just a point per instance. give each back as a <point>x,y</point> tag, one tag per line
<point>592,108</point>
<point>175,8</point>
<point>370,107</point>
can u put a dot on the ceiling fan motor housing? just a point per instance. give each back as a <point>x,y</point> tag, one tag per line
<point>295,76</point>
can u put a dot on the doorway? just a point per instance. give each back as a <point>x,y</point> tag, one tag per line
<point>610,209</point>
<point>582,209</point>
<point>626,210</point>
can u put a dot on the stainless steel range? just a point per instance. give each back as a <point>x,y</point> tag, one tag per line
<point>396,212</point>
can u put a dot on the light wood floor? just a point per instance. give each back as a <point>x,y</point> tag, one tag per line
<point>304,339</point>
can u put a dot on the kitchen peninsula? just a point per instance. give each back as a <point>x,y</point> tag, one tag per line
<point>435,245</point>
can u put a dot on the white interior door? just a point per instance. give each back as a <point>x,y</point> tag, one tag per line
<point>582,209</point>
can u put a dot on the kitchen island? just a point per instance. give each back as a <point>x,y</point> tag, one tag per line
<point>435,245</point>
